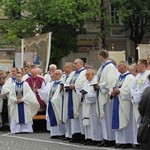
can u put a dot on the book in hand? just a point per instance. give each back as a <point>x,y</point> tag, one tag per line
<point>83,92</point>
<point>66,86</point>
<point>61,84</point>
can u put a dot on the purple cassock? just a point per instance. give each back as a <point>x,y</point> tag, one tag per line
<point>36,83</point>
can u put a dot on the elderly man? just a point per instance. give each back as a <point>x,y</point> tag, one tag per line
<point>23,106</point>
<point>52,97</point>
<point>37,83</point>
<point>106,77</point>
<point>121,119</point>
<point>137,88</point>
<point>74,106</point>
<point>48,76</point>
<point>91,122</point>
<point>68,69</point>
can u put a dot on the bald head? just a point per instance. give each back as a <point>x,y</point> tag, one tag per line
<point>34,72</point>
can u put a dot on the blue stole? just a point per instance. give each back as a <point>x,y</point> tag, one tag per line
<point>102,68</point>
<point>29,74</point>
<point>19,92</point>
<point>51,113</point>
<point>115,115</point>
<point>13,79</point>
<point>66,77</point>
<point>70,98</point>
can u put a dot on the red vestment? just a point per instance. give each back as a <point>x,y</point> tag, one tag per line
<point>36,83</point>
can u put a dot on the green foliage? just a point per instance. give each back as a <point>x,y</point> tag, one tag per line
<point>135,15</point>
<point>65,18</point>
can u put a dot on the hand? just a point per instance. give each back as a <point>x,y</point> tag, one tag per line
<point>61,88</point>
<point>96,87</point>
<point>19,101</point>
<point>35,89</point>
<point>72,86</point>
<point>115,92</point>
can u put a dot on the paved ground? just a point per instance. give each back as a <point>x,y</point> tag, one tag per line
<point>39,141</point>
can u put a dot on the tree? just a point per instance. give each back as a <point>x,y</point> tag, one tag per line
<point>135,15</point>
<point>65,18</point>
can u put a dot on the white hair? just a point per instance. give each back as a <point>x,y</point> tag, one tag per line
<point>52,66</point>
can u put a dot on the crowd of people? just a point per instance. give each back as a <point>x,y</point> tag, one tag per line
<point>94,107</point>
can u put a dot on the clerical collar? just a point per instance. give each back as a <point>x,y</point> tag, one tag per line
<point>19,83</point>
<point>124,73</point>
<point>105,62</point>
<point>57,81</point>
<point>80,69</point>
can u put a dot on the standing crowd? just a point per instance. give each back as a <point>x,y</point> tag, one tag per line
<point>103,107</point>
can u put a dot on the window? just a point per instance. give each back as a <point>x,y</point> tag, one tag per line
<point>114,17</point>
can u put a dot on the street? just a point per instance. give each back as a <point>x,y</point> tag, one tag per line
<point>39,141</point>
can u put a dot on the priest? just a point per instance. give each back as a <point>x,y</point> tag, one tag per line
<point>121,97</point>
<point>37,83</point>
<point>23,106</point>
<point>91,123</point>
<point>53,99</point>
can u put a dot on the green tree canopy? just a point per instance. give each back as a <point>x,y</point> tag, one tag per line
<point>65,18</point>
<point>135,14</point>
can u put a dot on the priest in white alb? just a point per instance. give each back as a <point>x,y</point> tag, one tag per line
<point>91,122</point>
<point>121,97</point>
<point>68,69</point>
<point>23,106</point>
<point>107,76</point>
<point>52,96</point>
<point>74,102</point>
<point>137,88</point>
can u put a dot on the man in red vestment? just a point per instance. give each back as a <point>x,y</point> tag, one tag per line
<point>37,83</point>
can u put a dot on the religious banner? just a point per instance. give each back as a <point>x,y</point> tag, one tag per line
<point>36,50</point>
<point>117,56</point>
<point>143,51</point>
<point>6,64</point>
<point>18,61</point>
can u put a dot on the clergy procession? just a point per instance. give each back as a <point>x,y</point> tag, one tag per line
<point>82,104</point>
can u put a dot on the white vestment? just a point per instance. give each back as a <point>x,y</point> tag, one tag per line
<point>47,78</point>
<point>76,122</point>
<point>56,102</point>
<point>107,76</point>
<point>91,122</point>
<point>65,81</point>
<point>123,133</point>
<point>25,77</point>
<point>7,86</point>
<point>137,88</point>
<point>31,107</point>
